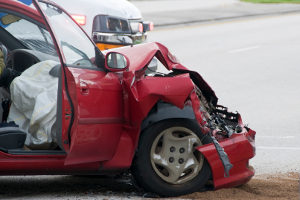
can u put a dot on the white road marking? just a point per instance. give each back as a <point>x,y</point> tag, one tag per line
<point>285,178</point>
<point>243,49</point>
<point>275,137</point>
<point>277,148</point>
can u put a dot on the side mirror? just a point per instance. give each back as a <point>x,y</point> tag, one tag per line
<point>116,62</point>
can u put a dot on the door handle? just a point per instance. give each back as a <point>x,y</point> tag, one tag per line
<point>68,114</point>
<point>84,88</point>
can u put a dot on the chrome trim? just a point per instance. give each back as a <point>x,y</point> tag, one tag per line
<point>117,38</point>
<point>134,25</point>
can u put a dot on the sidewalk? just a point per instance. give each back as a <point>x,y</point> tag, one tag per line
<point>176,12</point>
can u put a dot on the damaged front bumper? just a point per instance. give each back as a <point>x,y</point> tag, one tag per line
<point>233,143</point>
<point>239,149</point>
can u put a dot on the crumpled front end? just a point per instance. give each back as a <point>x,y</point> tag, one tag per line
<point>233,143</point>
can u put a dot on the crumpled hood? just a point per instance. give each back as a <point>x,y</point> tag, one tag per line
<point>141,55</point>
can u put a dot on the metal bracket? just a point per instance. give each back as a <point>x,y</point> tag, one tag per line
<point>223,156</point>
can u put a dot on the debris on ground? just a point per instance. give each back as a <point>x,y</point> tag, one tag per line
<point>261,187</point>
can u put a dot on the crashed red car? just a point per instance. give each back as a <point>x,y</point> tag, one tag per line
<point>108,115</point>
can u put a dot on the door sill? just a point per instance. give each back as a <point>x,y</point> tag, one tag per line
<point>35,152</point>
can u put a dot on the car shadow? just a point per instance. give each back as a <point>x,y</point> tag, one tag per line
<point>73,187</point>
<point>66,186</point>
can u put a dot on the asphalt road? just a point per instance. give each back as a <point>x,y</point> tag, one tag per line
<point>254,67</point>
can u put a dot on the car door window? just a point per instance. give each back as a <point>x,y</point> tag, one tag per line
<point>77,48</point>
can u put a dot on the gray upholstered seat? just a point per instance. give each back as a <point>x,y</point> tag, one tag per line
<point>12,138</point>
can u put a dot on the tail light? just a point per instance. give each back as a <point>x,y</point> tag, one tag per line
<point>80,19</point>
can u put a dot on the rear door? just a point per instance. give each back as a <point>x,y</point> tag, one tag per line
<point>92,105</point>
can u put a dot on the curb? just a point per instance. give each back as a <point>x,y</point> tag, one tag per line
<point>227,18</point>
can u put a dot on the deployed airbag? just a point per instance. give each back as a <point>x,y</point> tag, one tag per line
<point>33,108</point>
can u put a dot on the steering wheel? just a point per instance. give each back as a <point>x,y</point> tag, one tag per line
<point>21,59</point>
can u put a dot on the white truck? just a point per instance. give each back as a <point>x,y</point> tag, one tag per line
<point>110,23</point>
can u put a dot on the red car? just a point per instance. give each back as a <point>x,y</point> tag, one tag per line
<point>167,129</point>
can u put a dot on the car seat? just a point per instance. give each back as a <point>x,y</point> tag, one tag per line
<point>11,136</point>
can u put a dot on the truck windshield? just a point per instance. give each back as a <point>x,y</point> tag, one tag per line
<point>77,48</point>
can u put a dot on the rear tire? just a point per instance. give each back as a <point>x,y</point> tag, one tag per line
<point>167,162</point>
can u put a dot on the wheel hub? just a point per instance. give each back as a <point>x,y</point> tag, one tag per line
<point>173,155</point>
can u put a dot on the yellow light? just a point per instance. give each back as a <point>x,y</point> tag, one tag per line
<point>102,46</point>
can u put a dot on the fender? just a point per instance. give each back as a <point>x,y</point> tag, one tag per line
<point>162,111</point>
<point>141,93</point>
<point>144,92</point>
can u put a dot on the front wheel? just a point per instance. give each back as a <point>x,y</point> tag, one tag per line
<point>167,162</point>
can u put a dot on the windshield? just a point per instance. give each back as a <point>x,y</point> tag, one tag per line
<point>30,35</point>
<point>76,47</point>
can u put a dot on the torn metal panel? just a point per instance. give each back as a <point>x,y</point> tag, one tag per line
<point>141,55</point>
<point>239,150</point>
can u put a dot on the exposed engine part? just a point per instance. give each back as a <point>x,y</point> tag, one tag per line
<point>220,122</point>
<point>216,121</point>
<point>238,129</point>
<point>222,125</point>
<point>208,106</point>
<point>218,117</point>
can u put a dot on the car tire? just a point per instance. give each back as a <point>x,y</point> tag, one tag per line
<point>166,162</point>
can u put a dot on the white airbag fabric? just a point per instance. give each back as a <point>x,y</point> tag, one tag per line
<point>33,108</point>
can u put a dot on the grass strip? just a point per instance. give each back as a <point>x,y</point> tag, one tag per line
<point>272,1</point>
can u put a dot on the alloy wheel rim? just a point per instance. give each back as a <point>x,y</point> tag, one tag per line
<point>174,157</point>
